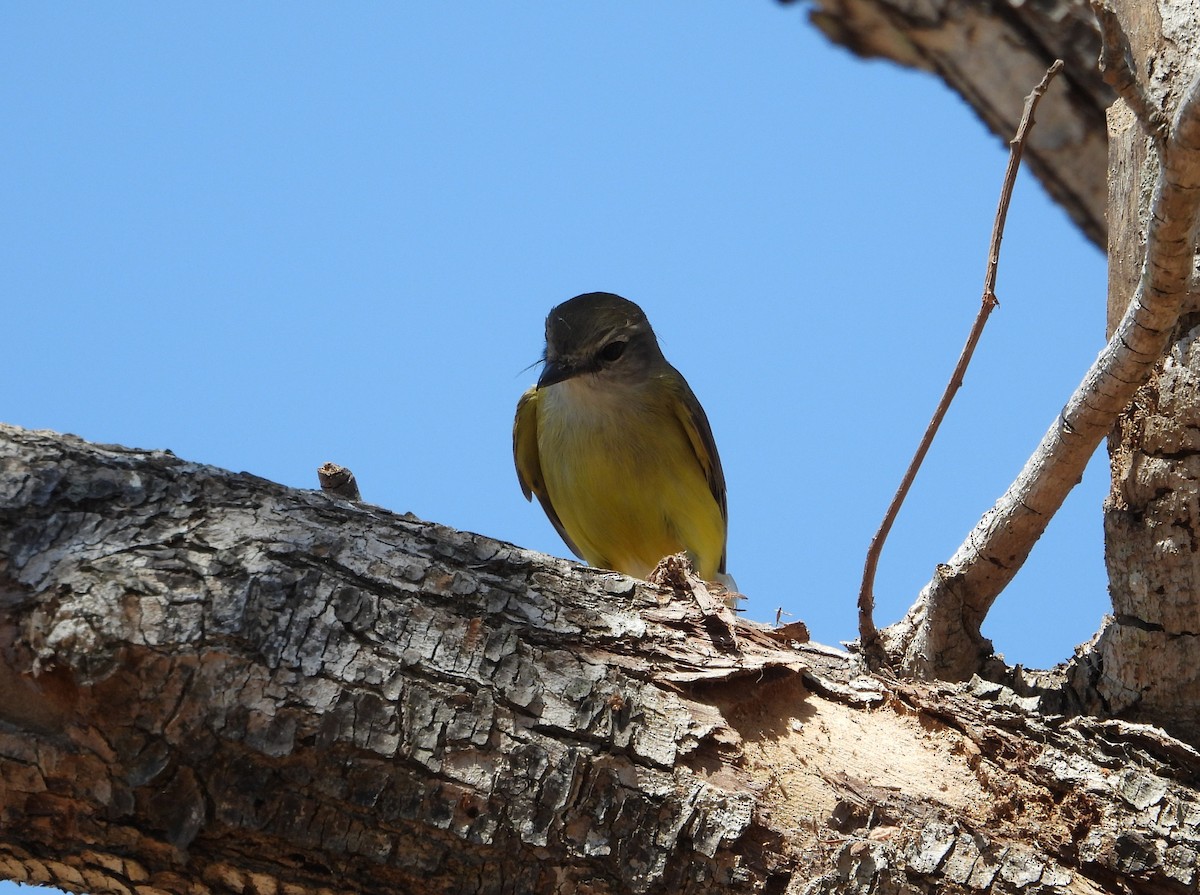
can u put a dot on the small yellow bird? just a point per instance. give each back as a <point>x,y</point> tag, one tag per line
<point>616,447</point>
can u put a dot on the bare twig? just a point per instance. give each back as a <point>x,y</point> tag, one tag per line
<point>1116,64</point>
<point>869,638</point>
<point>940,635</point>
<point>338,481</point>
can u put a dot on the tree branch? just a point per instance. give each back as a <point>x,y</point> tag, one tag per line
<point>338,481</point>
<point>869,639</point>
<point>940,636</point>
<point>989,51</point>
<point>214,684</point>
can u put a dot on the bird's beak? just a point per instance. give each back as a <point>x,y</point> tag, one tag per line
<point>554,372</point>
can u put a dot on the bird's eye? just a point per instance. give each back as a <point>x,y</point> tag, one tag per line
<point>612,351</point>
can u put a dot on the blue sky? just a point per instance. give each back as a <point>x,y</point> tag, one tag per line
<point>266,236</point>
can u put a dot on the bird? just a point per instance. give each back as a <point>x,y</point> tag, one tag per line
<point>615,446</point>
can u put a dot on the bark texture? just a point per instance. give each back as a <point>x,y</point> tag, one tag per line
<point>991,53</point>
<point>211,683</point>
<point>1130,674</point>
<point>1144,665</point>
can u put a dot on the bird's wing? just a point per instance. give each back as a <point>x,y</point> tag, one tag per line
<point>699,433</point>
<point>529,465</point>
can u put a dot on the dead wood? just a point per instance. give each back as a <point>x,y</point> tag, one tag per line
<point>212,683</point>
<point>869,639</point>
<point>940,636</point>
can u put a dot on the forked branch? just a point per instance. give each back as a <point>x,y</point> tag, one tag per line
<point>869,638</point>
<point>940,636</point>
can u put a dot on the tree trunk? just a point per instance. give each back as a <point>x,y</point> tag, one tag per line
<point>212,683</point>
<point>1145,664</point>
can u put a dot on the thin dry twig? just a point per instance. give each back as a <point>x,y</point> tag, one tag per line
<point>869,639</point>
<point>940,635</point>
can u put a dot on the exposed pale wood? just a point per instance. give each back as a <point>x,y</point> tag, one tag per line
<point>1131,185</point>
<point>216,684</point>
<point>210,683</point>
<point>338,481</point>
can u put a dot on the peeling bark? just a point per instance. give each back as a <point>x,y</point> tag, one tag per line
<point>212,683</point>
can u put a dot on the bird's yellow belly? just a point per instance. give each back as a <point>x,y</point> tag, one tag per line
<point>626,484</point>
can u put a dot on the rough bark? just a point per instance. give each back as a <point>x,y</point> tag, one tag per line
<point>940,636</point>
<point>1144,664</point>
<point>991,52</point>
<point>212,683</point>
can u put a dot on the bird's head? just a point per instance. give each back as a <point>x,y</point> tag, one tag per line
<point>602,335</point>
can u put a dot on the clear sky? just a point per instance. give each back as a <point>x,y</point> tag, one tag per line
<point>269,235</point>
